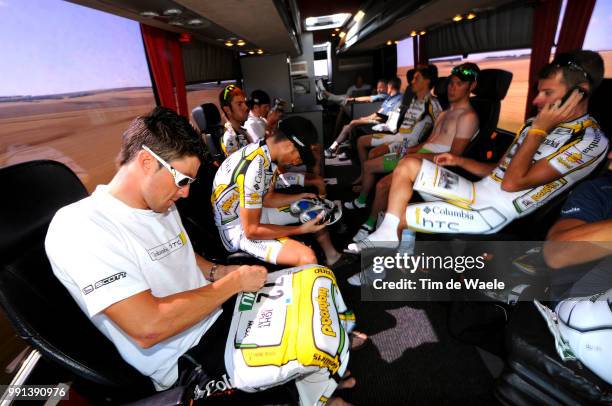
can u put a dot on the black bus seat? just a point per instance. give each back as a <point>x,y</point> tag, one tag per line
<point>440,90</point>
<point>535,374</point>
<point>491,89</point>
<point>208,120</point>
<point>38,306</point>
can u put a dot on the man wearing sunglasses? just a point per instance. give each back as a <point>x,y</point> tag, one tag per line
<point>552,151</point>
<point>126,259</point>
<point>254,217</point>
<point>234,107</point>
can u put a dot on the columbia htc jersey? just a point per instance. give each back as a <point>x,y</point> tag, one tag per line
<point>241,181</point>
<point>574,149</point>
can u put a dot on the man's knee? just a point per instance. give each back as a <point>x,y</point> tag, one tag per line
<point>363,141</point>
<point>306,256</point>
<point>408,167</point>
<point>383,185</point>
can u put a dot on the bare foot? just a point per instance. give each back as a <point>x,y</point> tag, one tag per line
<point>358,340</point>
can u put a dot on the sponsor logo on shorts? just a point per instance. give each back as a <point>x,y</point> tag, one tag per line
<point>326,321</point>
<point>103,282</point>
<point>571,210</point>
<point>445,211</point>
<point>246,301</point>
<point>214,387</point>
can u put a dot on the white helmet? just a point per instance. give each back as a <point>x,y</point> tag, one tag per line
<point>586,324</point>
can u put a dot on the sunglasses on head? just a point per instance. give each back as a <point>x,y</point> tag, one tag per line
<point>567,62</point>
<point>180,179</point>
<point>464,73</point>
<point>229,89</point>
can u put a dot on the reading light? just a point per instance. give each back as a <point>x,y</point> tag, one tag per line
<point>240,43</point>
<point>422,32</point>
<point>149,14</point>
<point>389,42</point>
<point>173,12</point>
<point>336,29</point>
<point>251,52</point>
<point>413,34</point>
<point>471,16</point>
<point>342,34</point>
<point>457,18</point>
<point>359,16</point>
<point>259,51</point>
<point>229,44</point>
<point>177,23</point>
<point>195,22</point>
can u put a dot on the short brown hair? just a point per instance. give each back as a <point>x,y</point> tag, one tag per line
<point>166,133</point>
<point>576,67</point>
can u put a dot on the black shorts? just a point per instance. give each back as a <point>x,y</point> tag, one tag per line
<point>202,370</point>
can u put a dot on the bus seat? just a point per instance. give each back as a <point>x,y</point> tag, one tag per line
<point>440,91</point>
<point>38,306</point>
<point>208,120</point>
<point>535,374</point>
<point>491,89</point>
<point>599,106</point>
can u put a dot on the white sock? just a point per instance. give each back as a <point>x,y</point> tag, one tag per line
<point>333,146</point>
<point>387,230</point>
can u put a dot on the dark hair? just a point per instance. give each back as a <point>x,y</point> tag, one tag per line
<point>395,83</point>
<point>227,95</point>
<point>258,97</point>
<point>166,133</point>
<point>382,80</point>
<point>576,67</point>
<point>429,72</point>
<point>410,75</point>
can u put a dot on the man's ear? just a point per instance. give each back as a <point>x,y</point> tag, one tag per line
<point>226,110</point>
<point>145,161</point>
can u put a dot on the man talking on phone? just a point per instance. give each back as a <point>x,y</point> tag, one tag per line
<point>552,151</point>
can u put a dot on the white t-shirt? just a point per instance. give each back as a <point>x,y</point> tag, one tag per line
<point>256,127</point>
<point>104,251</point>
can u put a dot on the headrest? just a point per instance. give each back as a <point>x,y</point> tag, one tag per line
<point>198,116</point>
<point>44,187</point>
<point>441,87</point>
<point>599,106</point>
<point>211,114</point>
<point>493,84</point>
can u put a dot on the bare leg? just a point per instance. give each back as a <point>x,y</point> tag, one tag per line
<point>378,151</point>
<point>382,194</point>
<point>331,255</point>
<point>295,253</point>
<point>401,187</point>
<point>371,168</point>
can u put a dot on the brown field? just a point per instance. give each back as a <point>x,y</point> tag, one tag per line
<point>83,132</point>
<point>513,106</point>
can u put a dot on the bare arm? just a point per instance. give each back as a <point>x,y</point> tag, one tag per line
<point>480,169</point>
<point>564,249</point>
<point>149,320</point>
<point>255,230</point>
<point>275,199</point>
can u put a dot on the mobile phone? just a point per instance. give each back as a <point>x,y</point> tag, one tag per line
<point>583,92</point>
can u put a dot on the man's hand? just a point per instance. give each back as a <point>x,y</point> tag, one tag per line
<point>448,159</point>
<point>252,277</point>
<point>552,115</point>
<point>301,196</point>
<point>312,226</point>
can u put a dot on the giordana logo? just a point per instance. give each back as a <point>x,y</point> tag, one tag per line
<point>103,282</point>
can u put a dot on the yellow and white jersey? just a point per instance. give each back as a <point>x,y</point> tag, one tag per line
<point>242,181</point>
<point>296,326</point>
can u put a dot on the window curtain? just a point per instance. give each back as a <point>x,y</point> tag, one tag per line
<point>545,21</point>
<point>166,63</point>
<point>575,23</point>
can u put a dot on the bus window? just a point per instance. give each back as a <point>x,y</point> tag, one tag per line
<point>73,77</point>
<point>599,34</point>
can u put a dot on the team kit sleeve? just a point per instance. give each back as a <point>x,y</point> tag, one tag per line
<point>229,144</point>
<point>580,153</point>
<point>253,184</point>
<point>93,263</point>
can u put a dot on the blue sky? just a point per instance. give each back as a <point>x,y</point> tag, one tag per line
<point>598,36</point>
<point>52,46</point>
